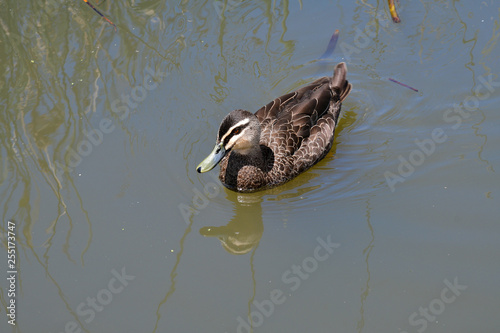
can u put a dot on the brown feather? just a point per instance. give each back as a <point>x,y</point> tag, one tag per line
<point>297,131</point>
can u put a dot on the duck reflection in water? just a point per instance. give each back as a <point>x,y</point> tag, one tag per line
<point>244,230</point>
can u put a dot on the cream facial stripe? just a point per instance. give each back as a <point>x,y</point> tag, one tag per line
<point>234,138</point>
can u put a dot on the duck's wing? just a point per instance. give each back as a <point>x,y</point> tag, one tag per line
<point>319,140</point>
<point>287,120</point>
<point>292,118</point>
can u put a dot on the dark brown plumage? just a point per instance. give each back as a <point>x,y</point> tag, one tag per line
<point>283,138</point>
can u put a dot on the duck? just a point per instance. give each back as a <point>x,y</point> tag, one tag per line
<point>284,138</point>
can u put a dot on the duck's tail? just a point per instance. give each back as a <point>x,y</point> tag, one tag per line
<point>339,84</point>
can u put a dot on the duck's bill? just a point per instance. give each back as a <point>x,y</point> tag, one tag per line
<point>213,159</point>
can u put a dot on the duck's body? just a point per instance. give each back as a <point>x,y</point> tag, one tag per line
<point>282,139</point>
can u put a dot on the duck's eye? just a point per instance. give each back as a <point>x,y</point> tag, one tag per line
<point>237,131</point>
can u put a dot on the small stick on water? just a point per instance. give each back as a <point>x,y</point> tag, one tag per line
<point>404,85</point>
<point>394,14</point>
<point>331,44</point>
<point>98,12</point>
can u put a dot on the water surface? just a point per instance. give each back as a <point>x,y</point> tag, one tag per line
<point>396,230</point>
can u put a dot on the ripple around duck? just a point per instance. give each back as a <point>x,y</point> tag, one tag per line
<point>349,172</point>
<point>363,146</point>
<point>372,132</point>
<point>337,177</point>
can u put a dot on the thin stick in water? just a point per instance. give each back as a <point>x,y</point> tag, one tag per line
<point>404,85</point>
<point>98,12</point>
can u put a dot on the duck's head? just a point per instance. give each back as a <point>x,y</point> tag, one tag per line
<point>239,131</point>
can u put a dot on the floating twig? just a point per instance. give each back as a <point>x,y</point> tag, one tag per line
<point>331,45</point>
<point>394,14</point>
<point>404,85</point>
<point>98,12</point>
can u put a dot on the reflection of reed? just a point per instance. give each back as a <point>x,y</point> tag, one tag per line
<point>265,22</point>
<point>368,249</point>
<point>254,287</point>
<point>173,273</point>
<point>485,52</point>
<point>60,291</point>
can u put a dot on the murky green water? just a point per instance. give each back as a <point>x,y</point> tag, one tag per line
<point>396,230</point>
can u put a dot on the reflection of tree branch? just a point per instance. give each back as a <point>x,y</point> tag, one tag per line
<point>254,286</point>
<point>48,126</point>
<point>477,126</point>
<point>368,249</point>
<point>60,292</point>
<point>173,273</point>
<point>89,224</point>
<point>52,81</point>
